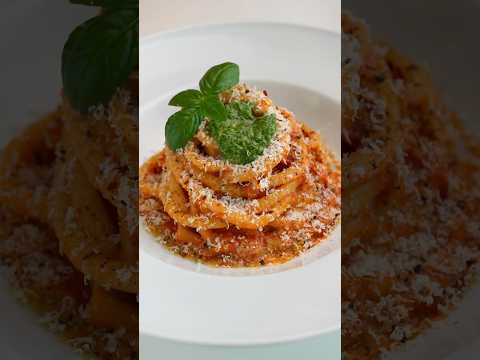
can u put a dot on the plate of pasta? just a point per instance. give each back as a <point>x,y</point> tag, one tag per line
<point>240,185</point>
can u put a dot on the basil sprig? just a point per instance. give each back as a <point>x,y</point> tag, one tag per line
<point>200,103</point>
<point>240,135</point>
<point>100,54</point>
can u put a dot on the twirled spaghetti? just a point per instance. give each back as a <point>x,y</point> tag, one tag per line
<point>268,211</point>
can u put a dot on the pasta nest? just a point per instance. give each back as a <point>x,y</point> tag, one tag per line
<point>268,211</point>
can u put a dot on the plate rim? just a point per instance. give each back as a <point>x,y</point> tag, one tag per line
<point>150,40</point>
<point>147,39</point>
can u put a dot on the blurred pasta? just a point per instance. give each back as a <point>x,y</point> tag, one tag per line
<point>410,203</point>
<point>69,229</point>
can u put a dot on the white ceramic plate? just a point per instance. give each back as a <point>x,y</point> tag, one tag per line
<point>196,304</point>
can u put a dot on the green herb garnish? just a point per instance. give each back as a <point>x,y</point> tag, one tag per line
<point>100,54</point>
<point>240,135</point>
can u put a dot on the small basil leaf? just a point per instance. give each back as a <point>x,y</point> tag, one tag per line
<point>181,127</point>
<point>220,78</point>
<point>110,4</point>
<point>214,109</point>
<point>187,98</point>
<point>242,138</point>
<point>99,56</point>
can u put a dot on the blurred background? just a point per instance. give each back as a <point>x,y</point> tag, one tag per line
<point>32,35</point>
<point>441,34</point>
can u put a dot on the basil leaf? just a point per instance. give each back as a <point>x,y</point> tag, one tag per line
<point>220,78</point>
<point>203,103</point>
<point>99,56</point>
<point>187,98</point>
<point>108,4</point>
<point>242,138</point>
<point>214,109</point>
<point>181,127</point>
